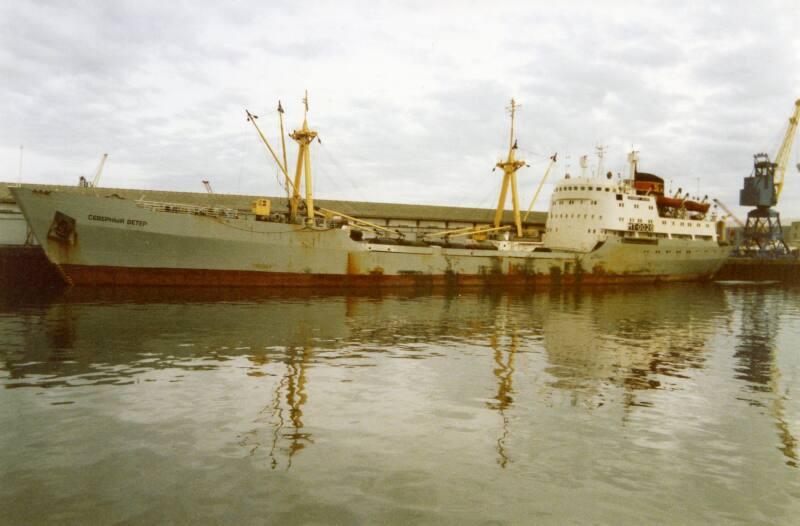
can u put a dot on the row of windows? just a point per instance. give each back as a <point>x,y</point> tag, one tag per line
<point>639,220</point>
<point>573,216</point>
<point>696,224</point>
<point>622,205</point>
<point>588,230</point>
<point>572,202</point>
<point>688,223</point>
<point>635,220</point>
<point>584,188</point>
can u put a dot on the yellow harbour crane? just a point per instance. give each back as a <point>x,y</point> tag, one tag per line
<point>784,152</point>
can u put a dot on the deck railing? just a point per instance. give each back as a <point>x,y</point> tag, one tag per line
<point>181,208</point>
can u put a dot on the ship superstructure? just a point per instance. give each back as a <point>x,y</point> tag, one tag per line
<point>598,231</point>
<point>585,212</point>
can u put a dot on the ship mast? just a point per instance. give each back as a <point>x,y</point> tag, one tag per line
<point>303,137</point>
<point>283,147</point>
<point>510,167</point>
<point>633,161</point>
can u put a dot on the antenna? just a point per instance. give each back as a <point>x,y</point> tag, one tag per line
<point>601,151</point>
<point>633,161</point>
<point>21,150</point>
<point>513,110</point>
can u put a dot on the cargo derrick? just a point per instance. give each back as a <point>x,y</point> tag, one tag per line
<point>763,234</point>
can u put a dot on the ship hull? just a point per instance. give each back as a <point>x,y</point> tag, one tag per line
<point>109,241</point>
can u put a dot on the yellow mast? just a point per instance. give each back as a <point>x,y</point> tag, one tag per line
<point>786,148</point>
<point>303,137</point>
<point>510,167</point>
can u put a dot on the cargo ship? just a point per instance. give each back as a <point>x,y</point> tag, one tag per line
<point>599,230</point>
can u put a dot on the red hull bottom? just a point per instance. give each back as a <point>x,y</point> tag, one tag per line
<point>127,276</point>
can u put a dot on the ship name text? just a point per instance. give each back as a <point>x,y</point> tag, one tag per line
<point>117,220</point>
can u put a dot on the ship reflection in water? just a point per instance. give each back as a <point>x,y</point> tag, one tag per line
<point>398,407</point>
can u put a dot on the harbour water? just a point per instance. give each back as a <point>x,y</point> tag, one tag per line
<point>671,404</point>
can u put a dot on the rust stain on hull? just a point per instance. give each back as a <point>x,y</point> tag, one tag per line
<point>352,264</point>
<point>97,275</point>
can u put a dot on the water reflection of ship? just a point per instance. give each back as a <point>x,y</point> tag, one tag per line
<point>756,353</point>
<point>599,341</point>
<point>284,415</point>
<point>505,348</point>
<point>593,343</point>
<point>73,332</point>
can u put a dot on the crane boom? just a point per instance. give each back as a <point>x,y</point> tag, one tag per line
<point>782,158</point>
<point>728,211</point>
<point>541,183</point>
<point>99,171</point>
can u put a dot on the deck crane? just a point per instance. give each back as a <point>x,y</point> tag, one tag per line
<point>763,235</point>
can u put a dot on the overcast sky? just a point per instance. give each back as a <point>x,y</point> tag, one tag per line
<point>409,98</point>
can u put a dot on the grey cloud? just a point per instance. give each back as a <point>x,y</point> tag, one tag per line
<point>163,87</point>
